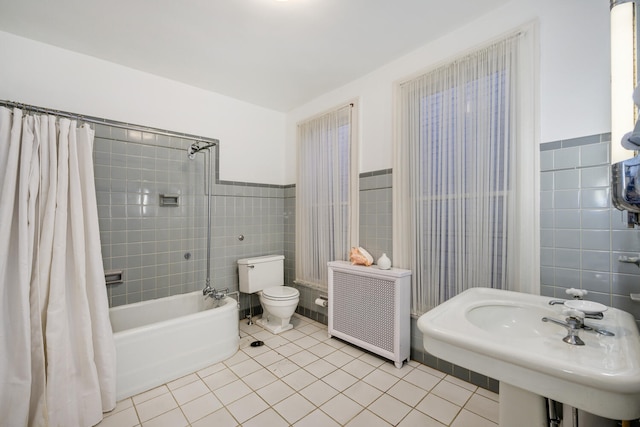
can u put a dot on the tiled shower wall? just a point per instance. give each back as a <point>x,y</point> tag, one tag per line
<point>162,250</point>
<point>581,234</point>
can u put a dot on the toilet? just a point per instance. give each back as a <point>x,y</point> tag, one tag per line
<point>265,275</point>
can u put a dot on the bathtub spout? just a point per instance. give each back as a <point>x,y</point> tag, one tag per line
<point>215,294</point>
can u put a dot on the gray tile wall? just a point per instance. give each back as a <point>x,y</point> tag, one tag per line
<point>581,234</point>
<point>162,250</point>
<point>375,213</point>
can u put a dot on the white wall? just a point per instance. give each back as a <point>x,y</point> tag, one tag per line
<point>574,76</point>
<point>251,137</point>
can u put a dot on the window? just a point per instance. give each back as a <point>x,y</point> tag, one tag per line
<point>458,214</point>
<point>326,193</point>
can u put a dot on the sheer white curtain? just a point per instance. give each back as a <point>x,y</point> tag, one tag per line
<point>326,193</point>
<point>57,356</point>
<point>465,174</point>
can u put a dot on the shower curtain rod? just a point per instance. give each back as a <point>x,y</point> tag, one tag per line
<point>101,121</point>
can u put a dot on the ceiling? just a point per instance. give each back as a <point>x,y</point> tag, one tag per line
<point>275,54</point>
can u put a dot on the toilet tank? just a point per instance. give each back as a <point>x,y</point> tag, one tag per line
<point>260,273</point>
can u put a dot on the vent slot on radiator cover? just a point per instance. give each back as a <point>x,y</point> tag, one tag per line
<point>362,308</point>
<point>369,307</point>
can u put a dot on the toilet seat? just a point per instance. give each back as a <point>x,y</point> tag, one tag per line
<point>280,293</point>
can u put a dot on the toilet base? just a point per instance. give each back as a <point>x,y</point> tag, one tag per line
<point>273,328</point>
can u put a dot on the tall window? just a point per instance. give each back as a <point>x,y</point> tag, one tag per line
<point>326,193</point>
<point>459,216</point>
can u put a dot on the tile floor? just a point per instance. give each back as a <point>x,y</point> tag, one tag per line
<point>303,378</point>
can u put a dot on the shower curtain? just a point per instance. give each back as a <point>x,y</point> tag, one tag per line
<point>57,355</point>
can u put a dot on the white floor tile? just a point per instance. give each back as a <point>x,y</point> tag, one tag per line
<point>389,409</point>
<point>461,383</point>
<point>483,406</point>
<point>317,419</point>
<point>352,350</point>
<point>358,368</point>
<point>341,408</point>
<point>339,358</point>
<point>367,419</point>
<point>190,391</point>
<point>438,408</point>
<point>363,393</point>
<point>201,407</point>
<point>294,408</point>
<point>322,335</point>
<point>259,379</point>
<point>467,418</point>
<point>429,370</point>
<point>150,394</point>
<point>390,368</point>
<point>220,418</point>
<point>156,406</point>
<point>303,358</point>
<point>422,379</point>
<point>381,380</point>
<point>246,367</point>
<point>452,392</point>
<point>124,418</point>
<point>181,382</point>
<point>288,349</point>
<point>240,356</point>
<point>293,335</point>
<point>318,392</point>
<point>275,392</point>
<point>416,418</point>
<point>373,360</point>
<point>120,406</point>
<point>262,335</point>
<point>488,394</point>
<point>268,418</point>
<point>340,380</point>
<point>299,379</point>
<point>283,368</point>
<point>320,368</point>
<point>210,370</point>
<point>173,418</point>
<point>232,392</point>
<point>307,342</point>
<point>407,392</point>
<point>247,407</point>
<point>220,379</point>
<point>306,379</point>
<point>321,349</point>
<point>309,329</point>
<point>275,342</point>
<point>269,358</point>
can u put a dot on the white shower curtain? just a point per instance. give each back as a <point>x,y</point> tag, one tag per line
<point>57,355</point>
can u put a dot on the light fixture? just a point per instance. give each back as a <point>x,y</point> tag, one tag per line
<point>623,74</point>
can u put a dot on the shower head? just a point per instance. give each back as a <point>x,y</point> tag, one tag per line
<point>195,148</point>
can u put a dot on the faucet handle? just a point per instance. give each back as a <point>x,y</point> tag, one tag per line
<point>577,314</point>
<point>577,293</point>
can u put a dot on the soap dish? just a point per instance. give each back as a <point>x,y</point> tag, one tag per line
<point>587,307</point>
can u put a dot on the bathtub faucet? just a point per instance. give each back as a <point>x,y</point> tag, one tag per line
<point>215,294</point>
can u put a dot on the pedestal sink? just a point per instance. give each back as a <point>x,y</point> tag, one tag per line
<point>500,334</point>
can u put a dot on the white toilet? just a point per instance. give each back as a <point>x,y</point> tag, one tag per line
<point>265,275</point>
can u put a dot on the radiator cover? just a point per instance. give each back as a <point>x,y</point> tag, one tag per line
<point>370,308</point>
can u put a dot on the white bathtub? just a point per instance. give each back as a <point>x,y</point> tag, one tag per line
<point>163,339</point>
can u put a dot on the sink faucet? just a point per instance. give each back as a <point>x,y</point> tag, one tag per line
<point>573,324</point>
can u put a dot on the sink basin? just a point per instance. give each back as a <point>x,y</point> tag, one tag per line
<point>500,334</point>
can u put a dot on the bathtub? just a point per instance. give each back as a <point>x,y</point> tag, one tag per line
<point>163,339</point>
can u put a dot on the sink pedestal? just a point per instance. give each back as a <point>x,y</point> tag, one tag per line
<point>521,408</point>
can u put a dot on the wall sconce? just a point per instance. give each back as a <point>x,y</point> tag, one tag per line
<point>624,44</point>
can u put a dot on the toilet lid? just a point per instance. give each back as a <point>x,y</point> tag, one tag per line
<point>280,293</point>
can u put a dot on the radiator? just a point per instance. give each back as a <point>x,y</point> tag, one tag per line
<point>370,308</point>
